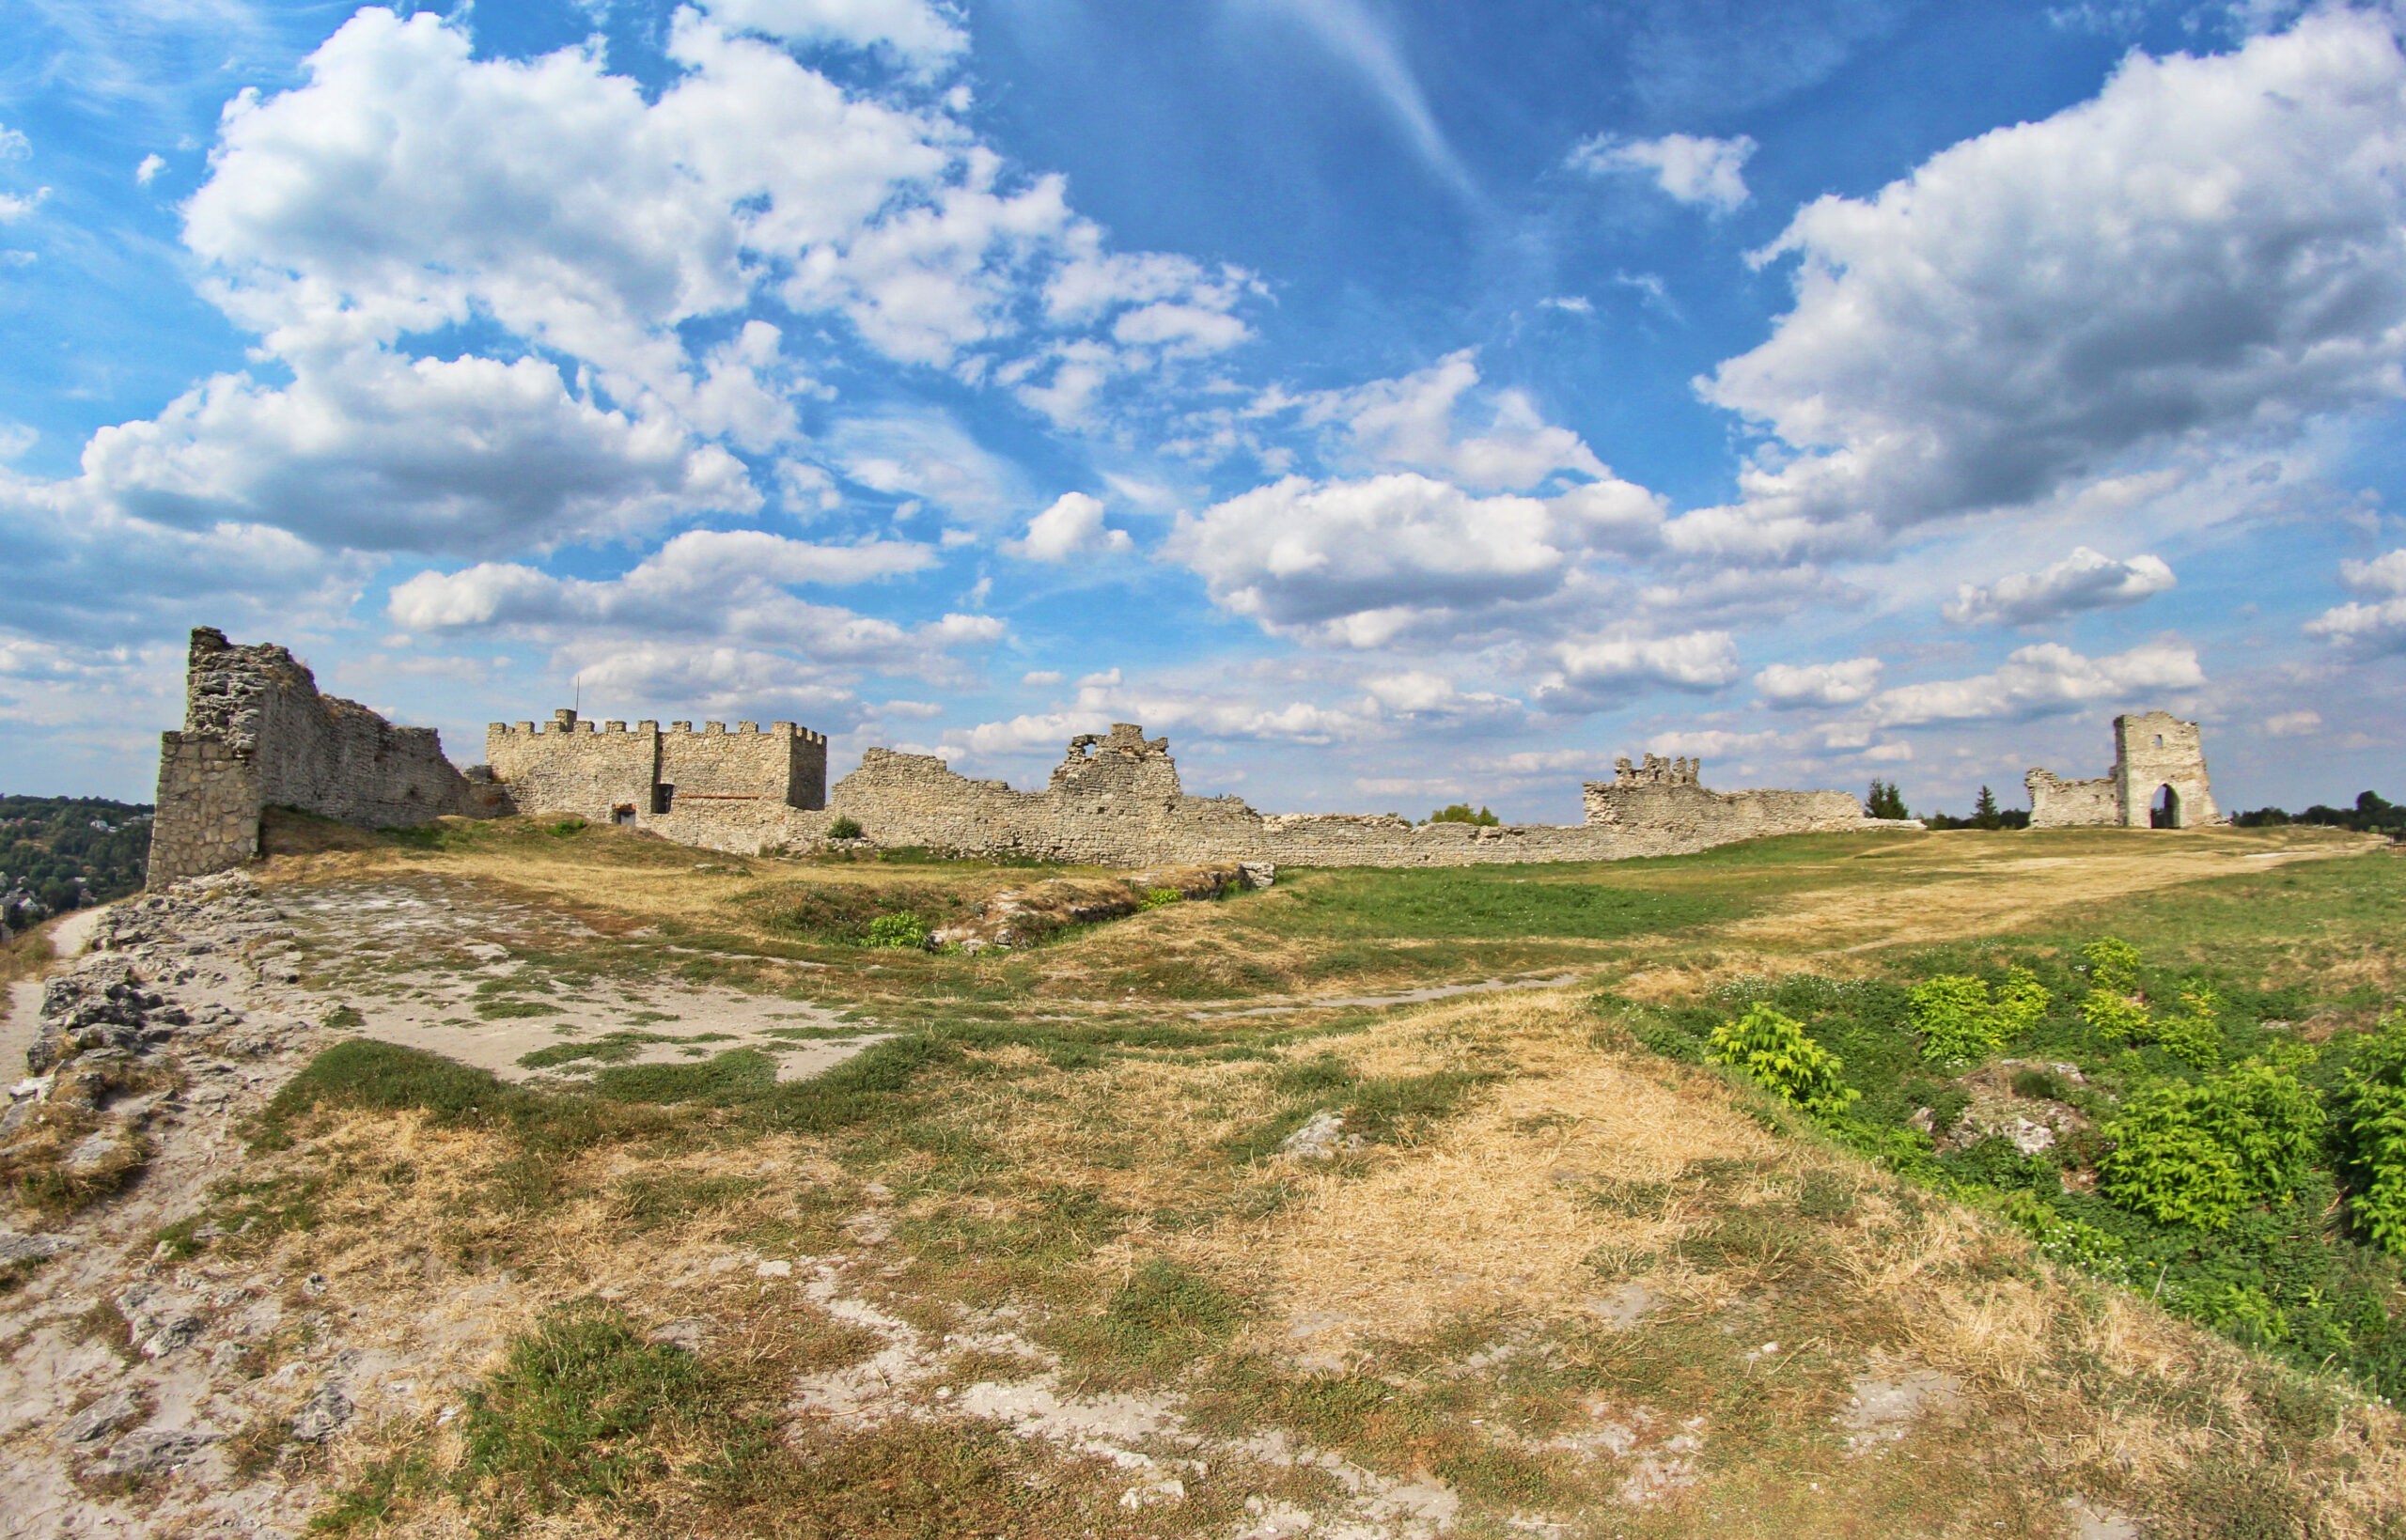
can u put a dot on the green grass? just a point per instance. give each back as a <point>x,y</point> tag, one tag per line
<point>1488,903</point>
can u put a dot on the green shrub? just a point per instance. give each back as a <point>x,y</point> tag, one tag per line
<point>2372,1104</point>
<point>2198,1154</point>
<point>1957,1019</point>
<point>1460,813</point>
<point>2167,1168</point>
<point>2113,965</point>
<point>844,828</point>
<point>1157,897</point>
<point>898,930</point>
<point>1773,1050</point>
<point>2194,1037</point>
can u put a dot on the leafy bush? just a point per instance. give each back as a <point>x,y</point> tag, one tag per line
<point>2372,1133</point>
<point>2198,1154</point>
<point>844,828</point>
<point>1157,897</point>
<point>2113,965</point>
<point>2195,1035</point>
<point>1957,1019</point>
<point>1774,1049</point>
<point>1460,813</point>
<point>898,930</point>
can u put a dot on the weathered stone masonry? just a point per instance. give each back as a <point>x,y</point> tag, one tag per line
<point>257,735</point>
<point>1117,800</point>
<point>683,785</point>
<point>2154,751</point>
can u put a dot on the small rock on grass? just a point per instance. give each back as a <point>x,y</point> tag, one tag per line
<point>37,1247</point>
<point>100,1419</point>
<point>323,1415</point>
<point>1320,1138</point>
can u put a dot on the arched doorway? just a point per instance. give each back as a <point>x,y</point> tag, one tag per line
<point>2165,813</point>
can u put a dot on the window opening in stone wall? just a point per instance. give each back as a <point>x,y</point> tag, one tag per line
<point>624,813</point>
<point>662,795</point>
<point>2159,740</point>
<point>2165,814</point>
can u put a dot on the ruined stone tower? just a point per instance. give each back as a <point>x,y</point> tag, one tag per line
<point>2158,780</point>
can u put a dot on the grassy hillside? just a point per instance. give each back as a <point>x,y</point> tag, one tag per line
<point>1039,1262</point>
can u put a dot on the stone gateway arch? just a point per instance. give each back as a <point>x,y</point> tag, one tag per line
<point>2158,781</point>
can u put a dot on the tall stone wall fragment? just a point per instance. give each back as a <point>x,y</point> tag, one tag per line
<point>256,735</point>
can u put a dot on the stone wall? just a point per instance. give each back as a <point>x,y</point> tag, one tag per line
<point>257,735</point>
<point>678,780</point>
<point>2057,804</point>
<point>2152,750</point>
<point>1117,800</point>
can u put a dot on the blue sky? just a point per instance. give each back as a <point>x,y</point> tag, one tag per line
<point>1391,403</point>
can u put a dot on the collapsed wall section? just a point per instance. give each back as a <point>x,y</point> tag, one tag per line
<point>1115,800</point>
<point>2058,803</point>
<point>257,735</point>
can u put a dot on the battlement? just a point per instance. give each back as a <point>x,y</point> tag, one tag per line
<point>566,722</point>
<point>613,774</point>
<point>1657,772</point>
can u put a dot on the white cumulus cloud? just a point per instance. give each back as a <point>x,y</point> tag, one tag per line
<point>2208,247</point>
<point>1689,168</point>
<point>1298,552</point>
<point>2037,680</point>
<point>1594,672</point>
<point>1818,684</point>
<point>2086,580</point>
<point>1073,526</point>
<point>2373,630</point>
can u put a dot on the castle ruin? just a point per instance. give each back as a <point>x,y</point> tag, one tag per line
<point>2158,781</point>
<point>258,734</point>
<point>682,784</point>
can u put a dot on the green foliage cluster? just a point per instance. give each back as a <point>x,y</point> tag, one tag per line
<point>49,849</point>
<point>1885,801</point>
<point>2371,1128</point>
<point>1460,813</point>
<point>1160,897</point>
<point>1958,1018</point>
<point>846,827</point>
<point>2197,1153</point>
<point>902,931</point>
<point>2117,1009</point>
<point>2266,1200</point>
<point>1776,1052</point>
<point>1985,814</point>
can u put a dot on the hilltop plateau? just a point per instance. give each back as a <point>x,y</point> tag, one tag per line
<point>536,1176</point>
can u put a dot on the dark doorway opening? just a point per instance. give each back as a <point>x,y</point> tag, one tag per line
<point>2165,814</point>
